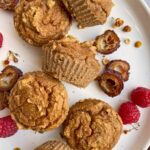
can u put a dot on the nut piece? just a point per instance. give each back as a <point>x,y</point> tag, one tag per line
<point>53,145</point>
<point>138,44</point>
<point>111,83</point>
<point>120,66</point>
<point>92,125</point>
<point>127,29</point>
<point>118,23</point>
<point>4,100</point>
<point>9,77</point>
<point>105,61</point>
<point>127,41</point>
<point>107,43</point>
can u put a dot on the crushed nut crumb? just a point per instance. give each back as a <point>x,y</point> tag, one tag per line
<point>127,41</point>
<point>138,44</point>
<point>118,23</point>
<point>127,28</point>
<point>105,61</point>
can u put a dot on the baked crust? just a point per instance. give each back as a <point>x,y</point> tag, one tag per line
<point>8,4</point>
<point>38,102</point>
<point>39,21</point>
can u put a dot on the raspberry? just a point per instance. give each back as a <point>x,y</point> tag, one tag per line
<point>129,113</point>
<point>1,39</point>
<point>7,127</point>
<point>141,97</point>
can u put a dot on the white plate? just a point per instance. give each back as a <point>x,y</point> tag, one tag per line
<point>136,14</point>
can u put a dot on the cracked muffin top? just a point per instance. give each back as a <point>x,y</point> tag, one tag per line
<point>92,125</point>
<point>39,21</point>
<point>38,102</point>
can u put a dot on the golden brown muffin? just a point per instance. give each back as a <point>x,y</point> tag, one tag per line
<point>53,145</point>
<point>89,12</point>
<point>38,102</point>
<point>8,4</point>
<point>92,125</point>
<point>67,59</point>
<point>39,21</point>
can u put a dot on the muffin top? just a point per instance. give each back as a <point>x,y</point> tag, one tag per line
<point>38,21</point>
<point>53,145</point>
<point>8,4</point>
<point>92,124</point>
<point>38,102</point>
<point>70,46</point>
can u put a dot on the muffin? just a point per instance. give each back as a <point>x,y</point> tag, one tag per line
<point>92,124</point>
<point>39,21</point>
<point>53,145</point>
<point>89,12</point>
<point>38,102</point>
<point>69,60</point>
<point>8,4</point>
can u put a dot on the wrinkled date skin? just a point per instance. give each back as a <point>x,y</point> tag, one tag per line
<point>9,77</point>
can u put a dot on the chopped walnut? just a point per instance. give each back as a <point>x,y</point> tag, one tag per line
<point>127,41</point>
<point>127,28</point>
<point>118,23</point>
<point>138,44</point>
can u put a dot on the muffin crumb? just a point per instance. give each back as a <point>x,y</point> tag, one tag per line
<point>138,44</point>
<point>127,41</point>
<point>127,28</point>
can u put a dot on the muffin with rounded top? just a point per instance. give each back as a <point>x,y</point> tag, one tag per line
<point>53,145</point>
<point>92,124</point>
<point>89,12</point>
<point>39,21</point>
<point>38,102</point>
<point>69,60</point>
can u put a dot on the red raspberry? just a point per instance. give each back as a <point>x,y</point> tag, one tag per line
<point>141,97</point>
<point>129,113</point>
<point>7,127</point>
<point>1,39</point>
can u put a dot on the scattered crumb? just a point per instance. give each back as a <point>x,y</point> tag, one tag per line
<point>133,128</point>
<point>127,41</point>
<point>126,131</point>
<point>17,148</point>
<point>127,28</point>
<point>118,23</point>
<point>11,57</point>
<point>105,61</point>
<point>138,44</point>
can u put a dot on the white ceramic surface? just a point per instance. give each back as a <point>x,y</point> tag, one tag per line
<point>136,14</point>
